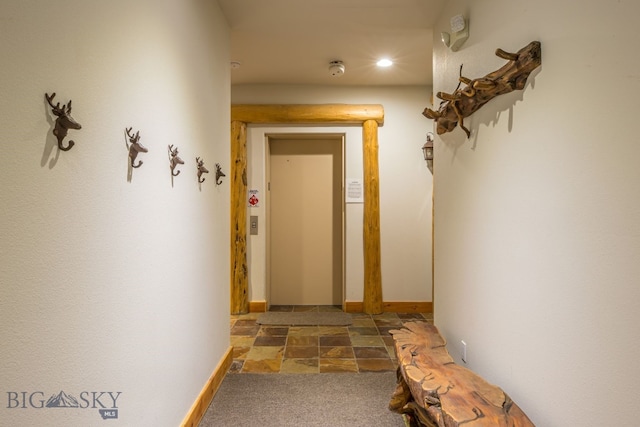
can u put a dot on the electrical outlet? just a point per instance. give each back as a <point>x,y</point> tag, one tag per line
<point>463,351</point>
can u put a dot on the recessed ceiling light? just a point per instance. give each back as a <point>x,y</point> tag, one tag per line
<point>384,62</point>
<point>235,65</point>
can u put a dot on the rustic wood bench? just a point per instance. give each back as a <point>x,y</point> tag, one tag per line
<point>434,391</point>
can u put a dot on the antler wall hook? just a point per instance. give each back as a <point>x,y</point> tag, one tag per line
<point>219,174</point>
<point>174,160</point>
<point>64,122</point>
<point>466,101</point>
<point>201,169</point>
<point>135,147</point>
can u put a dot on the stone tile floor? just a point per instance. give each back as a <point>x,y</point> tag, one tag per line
<point>364,346</point>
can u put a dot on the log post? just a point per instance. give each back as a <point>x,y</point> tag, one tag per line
<point>372,302</point>
<point>238,183</point>
<point>370,116</point>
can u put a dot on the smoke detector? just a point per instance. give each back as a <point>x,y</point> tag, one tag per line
<point>336,68</point>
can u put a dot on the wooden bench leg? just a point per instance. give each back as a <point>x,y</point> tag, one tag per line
<point>419,417</point>
<point>402,394</point>
<point>402,402</point>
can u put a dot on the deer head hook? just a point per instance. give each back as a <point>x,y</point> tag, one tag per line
<point>219,174</point>
<point>135,147</point>
<point>174,160</point>
<point>201,169</point>
<point>64,122</point>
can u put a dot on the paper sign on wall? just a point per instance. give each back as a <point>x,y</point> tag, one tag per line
<point>354,191</point>
<point>254,199</point>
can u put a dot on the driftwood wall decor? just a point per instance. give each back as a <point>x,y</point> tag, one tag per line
<point>64,121</point>
<point>466,101</point>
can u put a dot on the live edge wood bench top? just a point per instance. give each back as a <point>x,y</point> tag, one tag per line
<point>434,391</point>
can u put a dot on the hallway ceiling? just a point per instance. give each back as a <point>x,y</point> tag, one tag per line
<point>293,41</point>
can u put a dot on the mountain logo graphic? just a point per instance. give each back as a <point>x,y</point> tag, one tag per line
<point>62,400</point>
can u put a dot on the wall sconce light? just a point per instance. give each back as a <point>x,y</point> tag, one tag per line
<point>459,33</point>
<point>427,151</point>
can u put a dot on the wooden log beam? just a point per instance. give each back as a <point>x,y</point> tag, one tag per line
<point>238,183</point>
<point>307,114</point>
<point>372,302</point>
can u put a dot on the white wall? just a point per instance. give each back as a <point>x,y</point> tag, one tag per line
<point>405,184</point>
<point>107,285</point>
<point>538,213</point>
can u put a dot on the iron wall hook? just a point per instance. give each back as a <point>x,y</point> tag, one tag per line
<point>201,169</point>
<point>219,174</point>
<point>64,121</point>
<point>174,160</point>
<point>134,148</point>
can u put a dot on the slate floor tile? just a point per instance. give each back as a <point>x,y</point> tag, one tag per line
<point>364,346</point>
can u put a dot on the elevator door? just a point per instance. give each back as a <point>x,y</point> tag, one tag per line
<point>306,221</point>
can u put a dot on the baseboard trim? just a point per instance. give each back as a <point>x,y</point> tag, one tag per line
<point>209,390</point>
<point>257,306</point>
<point>358,306</point>
<point>353,306</point>
<point>393,306</point>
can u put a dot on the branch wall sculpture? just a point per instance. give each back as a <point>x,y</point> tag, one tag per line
<point>464,102</point>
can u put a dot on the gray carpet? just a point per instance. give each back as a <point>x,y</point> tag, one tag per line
<point>310,318</point>
<point>312,400</point>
